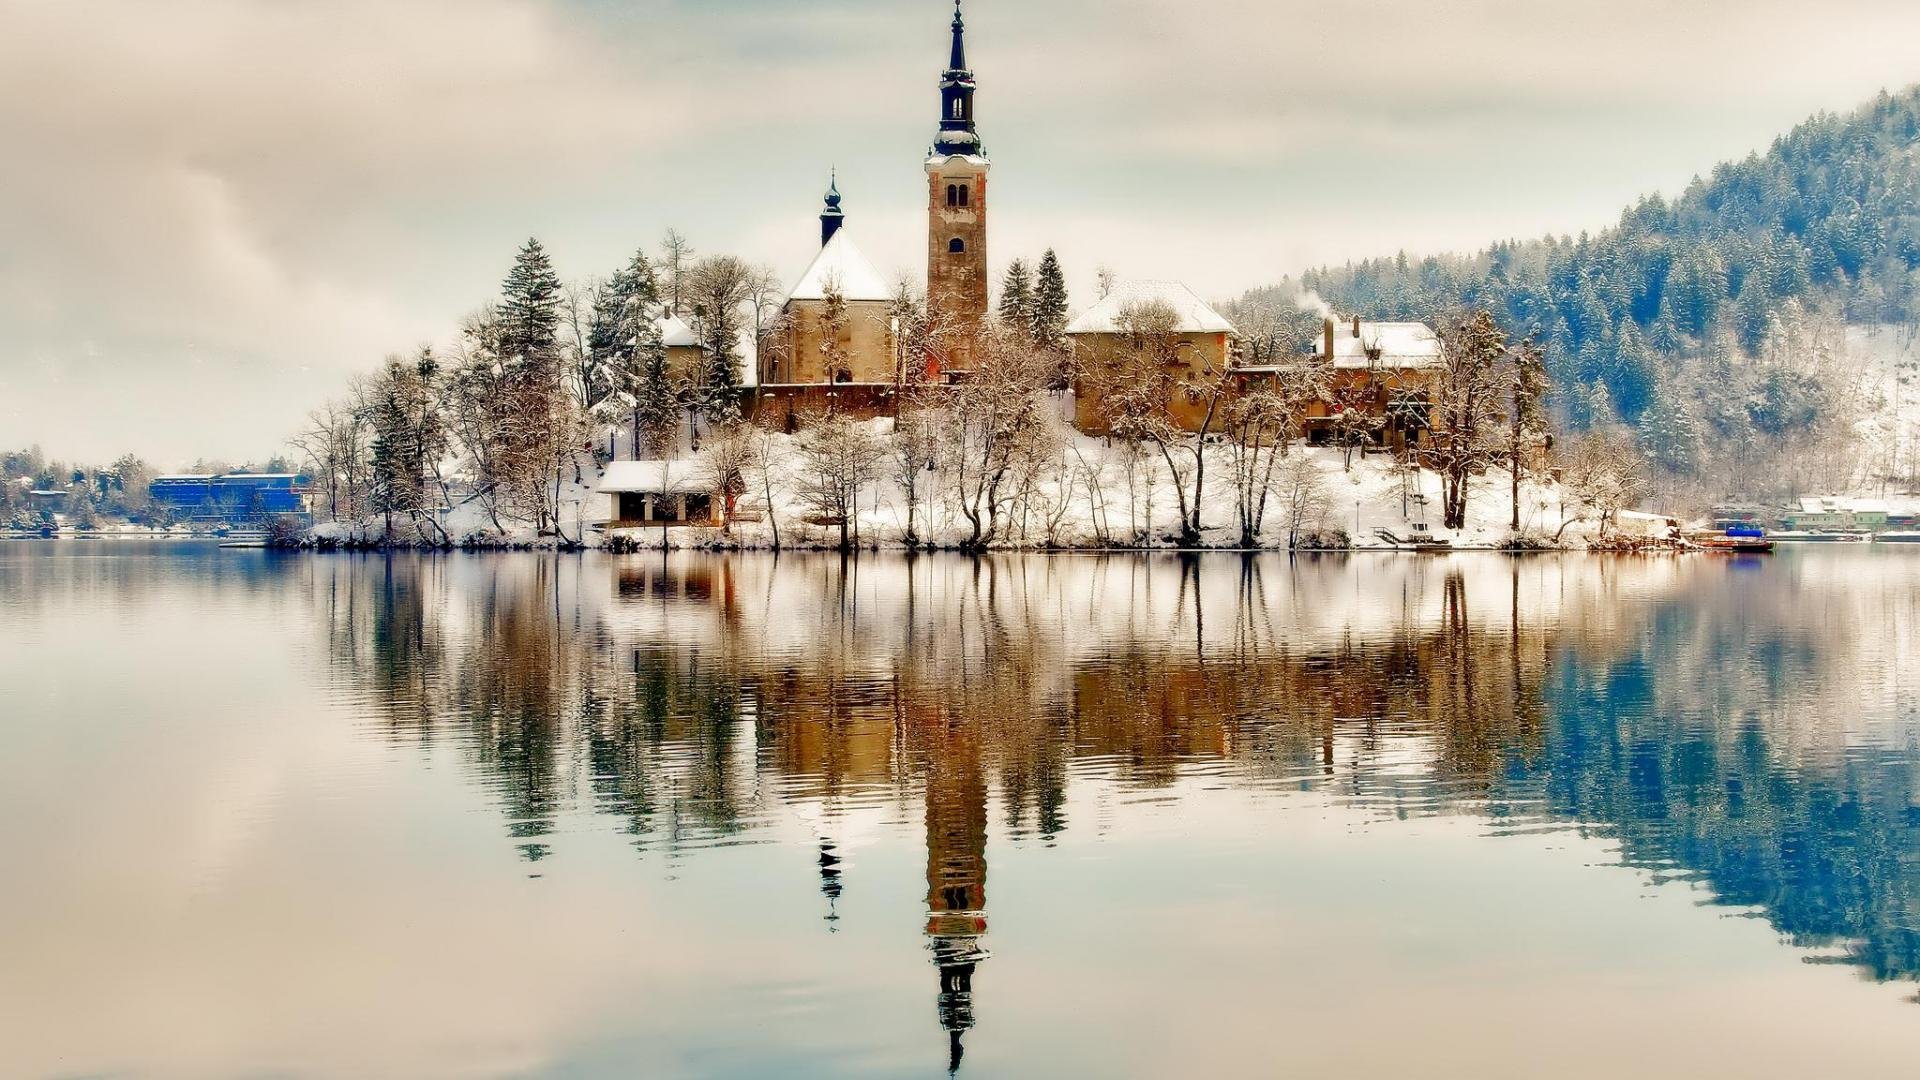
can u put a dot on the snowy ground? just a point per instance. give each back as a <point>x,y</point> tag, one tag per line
<point>1360,500</point>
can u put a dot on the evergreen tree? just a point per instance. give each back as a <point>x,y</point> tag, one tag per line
<point>1670,431</point>
<point>530,308</point>
<point>1050,305</point>
<point>1016,298</point>
<point>628,351</point>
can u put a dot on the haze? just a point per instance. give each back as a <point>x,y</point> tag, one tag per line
<point>214,212</point>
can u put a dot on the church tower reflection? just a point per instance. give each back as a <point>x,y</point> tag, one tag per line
<point>956,871</point>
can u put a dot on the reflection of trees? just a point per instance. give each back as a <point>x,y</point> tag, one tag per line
<point>686,699</point>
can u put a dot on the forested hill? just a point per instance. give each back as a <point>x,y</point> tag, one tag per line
<point>1828,217</point>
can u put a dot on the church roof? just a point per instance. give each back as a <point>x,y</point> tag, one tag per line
<point>675,333</point>
<point>1194,314</point>
<point>840,264</point>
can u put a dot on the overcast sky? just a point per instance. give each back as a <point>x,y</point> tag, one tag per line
<point>213,212</point>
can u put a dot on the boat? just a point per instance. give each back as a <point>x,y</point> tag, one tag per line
<point>1897,538</point>
<point>244,538</point>
<point>1739,540</point>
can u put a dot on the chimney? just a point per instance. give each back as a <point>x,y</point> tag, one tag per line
<point>1327,337</point>
<point>1356,327</point>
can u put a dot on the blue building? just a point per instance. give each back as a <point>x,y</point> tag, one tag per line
<point>232,496</point>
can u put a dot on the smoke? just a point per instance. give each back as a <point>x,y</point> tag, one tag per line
<point>1308,300</point>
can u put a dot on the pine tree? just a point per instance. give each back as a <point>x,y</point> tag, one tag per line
<point>1050,305</point>
<point>1016,298</point>
<point>1670,431</point>
<point>628,351</point>
<point>530,308</point>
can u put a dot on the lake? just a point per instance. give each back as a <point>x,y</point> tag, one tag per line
<point>707,815</point>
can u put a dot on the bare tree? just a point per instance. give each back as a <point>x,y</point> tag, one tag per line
<point>1467,406</point>
<point>1604,474</point>
<point>676,260</point>
<point>1527,416</point>
<point>1303,497</point>
<point>1137,386</point>
<point>1260,423</point>
<point>731,454</point>
<point>839,458</point>
<point>915,445</point>
<point>989,424</point>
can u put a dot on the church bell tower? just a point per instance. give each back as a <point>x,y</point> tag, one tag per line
<point>957,217</point>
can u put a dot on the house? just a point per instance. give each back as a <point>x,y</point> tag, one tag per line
<point>682,347</point>
<point>1835,514</point>
<point>657,493</point>
<point>1108,341</point>
<point>1385,369</point>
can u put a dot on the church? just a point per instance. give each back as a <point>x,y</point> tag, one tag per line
<point>837,342</point>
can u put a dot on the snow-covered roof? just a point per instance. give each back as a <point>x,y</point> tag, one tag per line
<point>675,333</point>
<point>1194,315</point>
<point>1399,344</point>
<point>185,476</point>
<point>936,158</point>
<point>655,476</point>
<point>841,265</point>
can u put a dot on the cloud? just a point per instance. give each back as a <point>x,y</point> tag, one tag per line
<point>213,210</point>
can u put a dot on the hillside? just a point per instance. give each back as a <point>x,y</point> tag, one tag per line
<point>1708,318</point>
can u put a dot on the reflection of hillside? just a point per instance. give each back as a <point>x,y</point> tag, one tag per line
<point>1705,723</point>
<point>1760,742</point>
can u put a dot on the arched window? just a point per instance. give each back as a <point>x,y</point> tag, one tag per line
<point>953,195</point>
<point>956,246</point>
<point>959,109</point>
<point>963,195</point>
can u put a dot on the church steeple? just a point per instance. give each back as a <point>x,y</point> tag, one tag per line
<point>957,133</point>
<point>832,217</point>
<point>959,60</point>
<point>957,217</point>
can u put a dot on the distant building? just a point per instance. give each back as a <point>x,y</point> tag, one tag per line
<point>232,497</point>
<point>1102,338</point>
<point>1837,514</point>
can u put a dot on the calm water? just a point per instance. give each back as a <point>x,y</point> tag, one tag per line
<point>708,816</point>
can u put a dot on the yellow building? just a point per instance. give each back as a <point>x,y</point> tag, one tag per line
<point>1192,343</point>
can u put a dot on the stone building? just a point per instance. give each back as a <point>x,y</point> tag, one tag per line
<point>957,218</point>
<point>1106,345</point>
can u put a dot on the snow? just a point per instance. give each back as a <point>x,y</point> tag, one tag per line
<point>656,476</point>
<point>675,333</point>
<point>1400,345</point>
<point>1195,316</point>
<point>1360,500</point>
<point>840,264</point>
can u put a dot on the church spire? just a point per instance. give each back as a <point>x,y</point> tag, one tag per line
<point>958,62</point>
<point>832,217</point>
<point>957,134</point>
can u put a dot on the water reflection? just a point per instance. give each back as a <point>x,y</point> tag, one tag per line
<point>1761,742</point>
